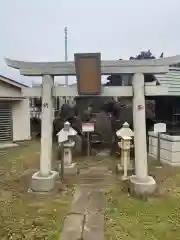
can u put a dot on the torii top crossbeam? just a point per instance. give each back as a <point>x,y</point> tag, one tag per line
<point>107,67</point>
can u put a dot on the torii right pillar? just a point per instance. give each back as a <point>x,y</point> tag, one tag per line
<point>140,184</point>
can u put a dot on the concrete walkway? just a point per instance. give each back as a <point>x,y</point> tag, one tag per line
<point>85,220</point>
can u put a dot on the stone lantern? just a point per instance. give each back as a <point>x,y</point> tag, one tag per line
<point>65,141</point>
<point>125,135</point>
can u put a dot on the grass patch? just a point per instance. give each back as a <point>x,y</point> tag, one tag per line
<point>24,215</point>
<point>155,219</point>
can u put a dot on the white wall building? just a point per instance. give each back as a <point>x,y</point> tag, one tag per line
<point>14,112</point>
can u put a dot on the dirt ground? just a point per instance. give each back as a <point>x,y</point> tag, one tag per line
<point>24,215</point>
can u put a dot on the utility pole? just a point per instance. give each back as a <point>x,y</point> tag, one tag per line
<point>66,52</point>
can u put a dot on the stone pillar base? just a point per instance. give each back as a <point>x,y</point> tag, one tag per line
<point>69,170</point>
<point>142,187</point>
<point>43,184</point>
<point>120,168</point>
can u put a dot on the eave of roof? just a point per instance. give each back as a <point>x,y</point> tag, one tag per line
<point>12,82</point>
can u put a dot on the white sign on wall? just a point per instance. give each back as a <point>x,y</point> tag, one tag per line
<point>88,127</point>
<point>160,127</point>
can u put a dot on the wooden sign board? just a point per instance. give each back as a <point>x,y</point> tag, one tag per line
<point>88,73</point>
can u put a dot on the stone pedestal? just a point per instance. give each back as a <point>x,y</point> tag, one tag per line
<point>69,167</point>
<point>43,183</point>
<point>125,164</point>
<point>142,187</point>
<point>120,167</point>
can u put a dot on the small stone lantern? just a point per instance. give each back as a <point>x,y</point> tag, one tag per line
<point>125,134</point>
<point>67,145</point>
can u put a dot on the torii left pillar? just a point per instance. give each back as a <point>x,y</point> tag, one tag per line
<point>141,184</point>
<point>44,180</point>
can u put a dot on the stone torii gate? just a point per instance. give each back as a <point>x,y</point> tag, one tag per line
<point>44,180</point>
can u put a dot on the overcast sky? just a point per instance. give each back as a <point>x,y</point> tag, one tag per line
<point>34,30</point>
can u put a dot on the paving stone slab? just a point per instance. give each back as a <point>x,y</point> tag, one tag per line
<point>96,202</point>
<point>86,218</point>
<point>94,227</point>
<point>80,200</point>
<point>73,227</point>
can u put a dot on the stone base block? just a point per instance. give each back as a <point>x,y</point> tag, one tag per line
<point>124,178</point>
<point>8,145</point>
<point>43,184</point>
<point>69,170</point>
<point>142,187</point>
<point>120,168</point>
